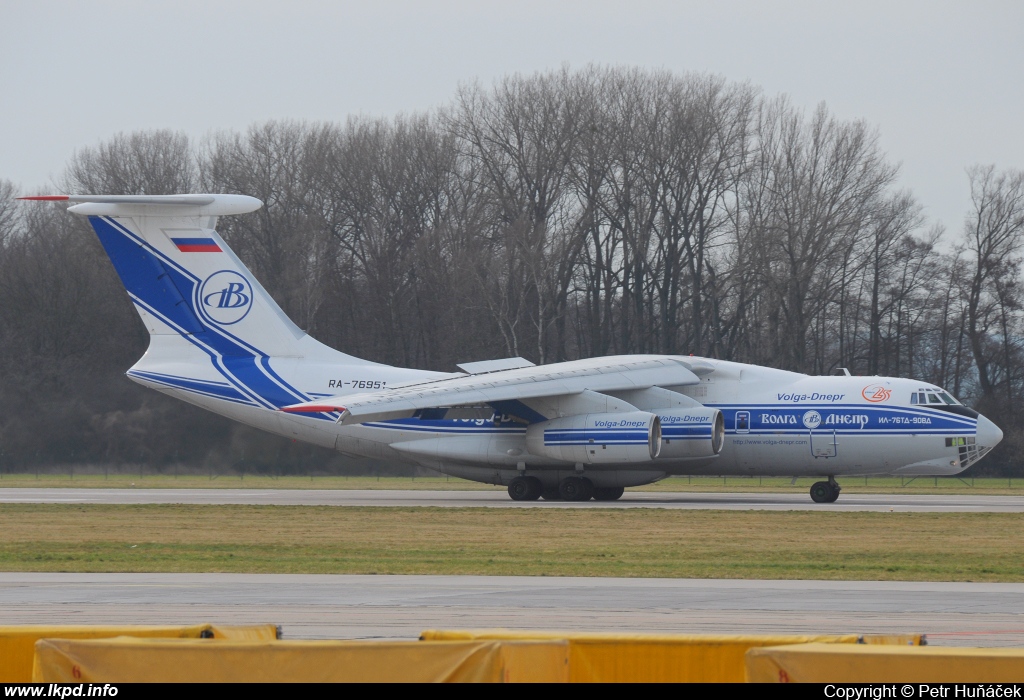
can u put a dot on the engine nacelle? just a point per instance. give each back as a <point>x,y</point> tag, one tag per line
<point>597,438</point>
<point>691,433</point>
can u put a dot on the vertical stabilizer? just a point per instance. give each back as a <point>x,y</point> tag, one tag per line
<point>210,321</point>
<point>185,280</point>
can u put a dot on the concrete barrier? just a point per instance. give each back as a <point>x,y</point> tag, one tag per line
<point>665,658</point>
<point>832,663</point>
<point>134,660</point>
<point>17,642</point>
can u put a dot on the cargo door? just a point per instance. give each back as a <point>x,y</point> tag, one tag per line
<point>823,444</point>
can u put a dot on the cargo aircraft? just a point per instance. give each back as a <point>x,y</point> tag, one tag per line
<point>570,430</point>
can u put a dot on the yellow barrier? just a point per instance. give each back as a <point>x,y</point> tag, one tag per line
<point>133,660</point>
<point>826,663</point>
<point>17,642</point>
<point>668,658</point>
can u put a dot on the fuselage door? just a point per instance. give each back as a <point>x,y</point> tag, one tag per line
<point>823,443</point>
<point>742,421</point>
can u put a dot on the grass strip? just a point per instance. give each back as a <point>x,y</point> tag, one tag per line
<point>540,542</point>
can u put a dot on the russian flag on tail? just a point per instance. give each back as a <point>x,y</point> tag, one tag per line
<point>196,245</point>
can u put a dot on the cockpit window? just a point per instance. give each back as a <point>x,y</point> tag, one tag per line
<point>932,397</point>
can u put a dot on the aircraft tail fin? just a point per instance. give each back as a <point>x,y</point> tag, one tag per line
<point>188,285</point>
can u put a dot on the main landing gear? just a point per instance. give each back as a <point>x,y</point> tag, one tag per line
<point>525,488</point>
<point>608,493</point>
<point>575,488</point>
<point>572,488</point>
<point>825,491</point>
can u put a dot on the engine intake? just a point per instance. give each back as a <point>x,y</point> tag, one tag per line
<point>691,433</point>
<point>597,438</point>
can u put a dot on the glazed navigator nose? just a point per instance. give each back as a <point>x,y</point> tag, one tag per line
<point>988,434</point>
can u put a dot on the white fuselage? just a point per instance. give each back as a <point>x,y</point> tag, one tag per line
<point>776,423</point>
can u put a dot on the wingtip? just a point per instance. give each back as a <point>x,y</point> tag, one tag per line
<point>47,198</point>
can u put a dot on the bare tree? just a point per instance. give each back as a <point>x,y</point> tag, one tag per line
<point>523,135</point>
<point>9,211</point>
<point>890,223</point>
<point>822,179</point>
<point>992,236</point>
<point>153,162</point>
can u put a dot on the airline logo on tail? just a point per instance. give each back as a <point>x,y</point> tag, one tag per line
<point>226,297</point>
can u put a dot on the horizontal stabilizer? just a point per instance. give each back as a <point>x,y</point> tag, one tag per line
<point>153,204</point>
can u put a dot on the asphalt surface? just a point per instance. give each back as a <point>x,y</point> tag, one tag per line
<point>499,499</point>
<point>400,607</point>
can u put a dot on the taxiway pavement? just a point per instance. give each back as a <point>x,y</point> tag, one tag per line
<point>400,607</point>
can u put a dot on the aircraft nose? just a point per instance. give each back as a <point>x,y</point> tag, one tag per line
<point>988,434</point>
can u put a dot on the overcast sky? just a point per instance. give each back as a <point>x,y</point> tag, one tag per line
<point>943,81</point>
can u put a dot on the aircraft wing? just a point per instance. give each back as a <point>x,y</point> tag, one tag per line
<point>561,379</point>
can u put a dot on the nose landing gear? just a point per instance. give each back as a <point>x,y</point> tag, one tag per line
<point>825,491</point>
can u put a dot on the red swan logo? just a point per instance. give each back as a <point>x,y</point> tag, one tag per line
<point>876,393</point>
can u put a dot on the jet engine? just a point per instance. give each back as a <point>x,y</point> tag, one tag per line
<point>691,433</point>
<point>597,438</point>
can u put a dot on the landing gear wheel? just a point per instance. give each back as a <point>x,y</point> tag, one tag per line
<point>551,495</point>
<point>576,488</point>
<point>525,488</point>
<point>608,493</point>
<point>824,492</point>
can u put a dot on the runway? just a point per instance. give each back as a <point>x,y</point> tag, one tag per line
<point>400,607</point>
<point>499,499</point>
